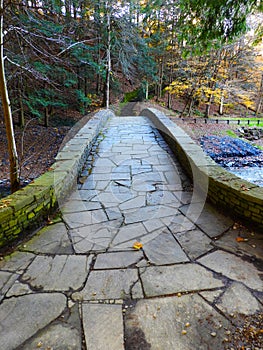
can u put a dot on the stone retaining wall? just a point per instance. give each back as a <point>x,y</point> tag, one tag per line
<point>237,197</point>
<point>26,209</point>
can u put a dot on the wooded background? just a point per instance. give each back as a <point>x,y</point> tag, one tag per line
<point>58,53</point>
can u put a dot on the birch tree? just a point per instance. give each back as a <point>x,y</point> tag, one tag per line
<point>13,158</point>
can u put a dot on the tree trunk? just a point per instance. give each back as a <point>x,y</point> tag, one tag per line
<point>21,106</point>
<point>221,107</point>
<point>184,109</point>
<point>169,102</point>
<point>208,106</point>
<point>21,112</point>
<point>260,96</point>
<point>160,80</point>
<point>146,89</point>
<point>189,114</point>
<point>13,158</point>
<point>108,73</point>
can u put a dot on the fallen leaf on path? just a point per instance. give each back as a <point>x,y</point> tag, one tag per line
<point>137,245</point>
<point>241,239</point>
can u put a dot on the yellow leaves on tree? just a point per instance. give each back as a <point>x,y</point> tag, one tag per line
<point>178,88</point>
<point>246,101</point>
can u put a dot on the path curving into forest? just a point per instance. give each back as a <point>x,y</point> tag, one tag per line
<point>126,266</point>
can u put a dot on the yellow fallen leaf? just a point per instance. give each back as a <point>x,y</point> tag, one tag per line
<point>137,245</point>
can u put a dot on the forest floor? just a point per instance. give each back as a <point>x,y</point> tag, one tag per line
<point>37,146</point>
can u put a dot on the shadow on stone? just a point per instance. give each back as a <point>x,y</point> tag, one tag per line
<point>135,340</point>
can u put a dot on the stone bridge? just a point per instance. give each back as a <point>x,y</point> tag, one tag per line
<point>136,258</point>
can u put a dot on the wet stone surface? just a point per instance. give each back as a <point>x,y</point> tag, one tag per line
<point>79,283</point>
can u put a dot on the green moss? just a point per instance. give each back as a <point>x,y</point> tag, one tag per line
<point>31,215</point>
<point>231,133</point>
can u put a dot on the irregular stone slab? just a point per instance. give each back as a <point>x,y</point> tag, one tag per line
<point>18,289</point>
<point>128,245</point>
<point>157,324</point>
<point>137,186</point>
<point>35,311</point>
<point>234,268</point>
<point>252,247</point>
<point>133,203</point>
<point>102,185</point>
<point>161,197</point>
<point>103,326</point>
<point>123,183</point>
<point>178,223</point>
<point>128,234</point>
<point>153,176</point>
<point>164,250</point>
<point>51,239</point>
<point>7,279</point>
<point>119,176</point>
<point>135,169</point>
<point>165,280</point>
<point>59,337</point>
<point>86,185</point>
<point>211,296</point>
<point>195,243</point>
<point>110,284</point>
<point>117,260</point>
<point>154,224</point>
<point>104,162</point>
<point>112,198</point>
<point>238,300</point>
<point>149,213</point>
<point>76,206</point>
<point>83,195</point>
<point>102,169</point>
<point>169,166</point>
<point>75,220</point>
<point>194,209</point>
<point>121,190</point>
<point>152,160</point>
<point>212,222</point>
<point>16,262</point>
<point>94,237</point>
<point>61,273</point>
<point>100,176</point>
<point>114,213</point>
<point>123,168</point>
<point>172,176</point>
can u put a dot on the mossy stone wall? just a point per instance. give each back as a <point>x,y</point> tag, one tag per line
<point>28,208</point>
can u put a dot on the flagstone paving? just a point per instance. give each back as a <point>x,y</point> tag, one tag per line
<point>80,284</point>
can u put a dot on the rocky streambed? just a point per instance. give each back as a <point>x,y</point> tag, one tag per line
<point>236,155</point>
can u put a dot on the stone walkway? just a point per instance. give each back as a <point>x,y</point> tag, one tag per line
<point>80,283</point>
